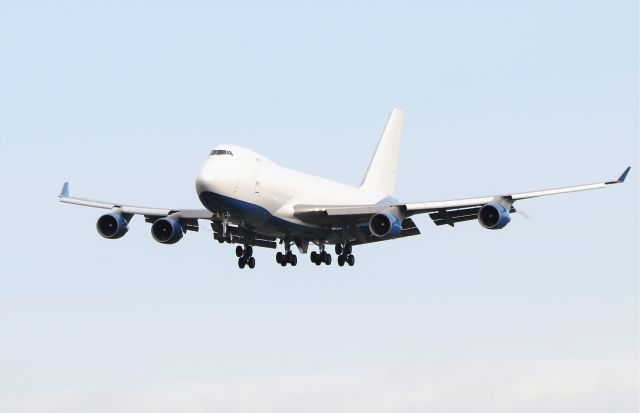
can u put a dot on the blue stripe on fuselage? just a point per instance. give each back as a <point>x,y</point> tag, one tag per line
<point>257,217</point>
<point>387,200</point>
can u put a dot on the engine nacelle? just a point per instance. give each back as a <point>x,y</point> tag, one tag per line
<point>493,216</point>
<point>112,226</point>
<point>385,225</point>
<point>167,231</point>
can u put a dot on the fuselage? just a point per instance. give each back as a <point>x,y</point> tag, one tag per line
<point>260,194</point>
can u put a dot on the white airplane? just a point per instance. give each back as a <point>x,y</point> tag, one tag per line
<point>252,201</point>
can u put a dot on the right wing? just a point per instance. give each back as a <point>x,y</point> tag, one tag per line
<point>189,216</point>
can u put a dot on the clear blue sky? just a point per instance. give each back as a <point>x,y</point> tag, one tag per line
<point>126,98</point>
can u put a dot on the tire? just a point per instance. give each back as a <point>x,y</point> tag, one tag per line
<point>279,257</point>
<point>339,249</point>
<point>283,262</point>
<point>314,256</point>
<point>241,263</point>
<point>351,260</point>
<point>341,260</point>
<point>248,251</point>
<point>348,249</point>
<point>252,263</point>
<point>327,259</point>
<point>294,260</point>
<point>288,257</point>
<point>239,251</point>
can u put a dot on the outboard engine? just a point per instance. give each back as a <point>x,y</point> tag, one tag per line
<point>385,225</point>
<point>167,231</point>
<point>493,216</point>
<point>112,226</point>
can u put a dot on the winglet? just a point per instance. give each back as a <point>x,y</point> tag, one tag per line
<point>64,193</point>
<point>622,177</point>
<point>624,174</point>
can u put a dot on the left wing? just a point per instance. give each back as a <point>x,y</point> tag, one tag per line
<point>441,212</point>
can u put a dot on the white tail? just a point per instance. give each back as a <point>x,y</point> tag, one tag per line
<point>381,175</point>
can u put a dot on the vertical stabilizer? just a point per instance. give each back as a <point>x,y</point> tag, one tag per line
<point>381,175</point>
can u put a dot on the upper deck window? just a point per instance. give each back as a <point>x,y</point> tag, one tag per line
<point>220,152</point>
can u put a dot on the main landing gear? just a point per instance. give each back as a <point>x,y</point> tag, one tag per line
<point>288,257</point>
<point>345,255</point>
<point>245,257</point>
<point>323,257</point>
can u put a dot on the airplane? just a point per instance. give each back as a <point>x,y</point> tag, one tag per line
<point>254,202</point>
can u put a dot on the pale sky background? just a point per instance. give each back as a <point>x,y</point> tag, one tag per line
<point>126,98</point>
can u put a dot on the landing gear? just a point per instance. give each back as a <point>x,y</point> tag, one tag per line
<point>288,258</point>
<point>323,257</point>
<point>344,254</point>
<point>351,260</point>
<point>245,257</point>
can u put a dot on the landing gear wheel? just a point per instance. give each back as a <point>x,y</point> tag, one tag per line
<point>351,260</point>
<point>327,259</point>
<point>251,262</point>
<point>347,248</point>
<point>314,257</point>
<point>341,260</point>
<point>294,260</point>
<point>283,261</point>
<point>248,251</point>
<point>339,249</point>
<point>289,257</point>
<point>279,257</point>
<point>241,262</point>
<point>239,251</point>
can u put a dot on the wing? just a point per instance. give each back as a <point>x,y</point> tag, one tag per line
<point>441,212</point>
<point>189,216</point>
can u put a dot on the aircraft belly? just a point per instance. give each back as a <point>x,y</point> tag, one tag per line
<point>258,218</point>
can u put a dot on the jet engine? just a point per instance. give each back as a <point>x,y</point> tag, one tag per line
<point>493,216</point>
<point>385,225</point>
<point>167,231</point>
<point>112,226</point>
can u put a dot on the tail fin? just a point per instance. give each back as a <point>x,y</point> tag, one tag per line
<point>381,175</point>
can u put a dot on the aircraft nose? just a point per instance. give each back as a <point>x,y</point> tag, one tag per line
<point>206,178</point>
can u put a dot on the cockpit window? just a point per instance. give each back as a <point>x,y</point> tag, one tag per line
<point>220,152</point>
